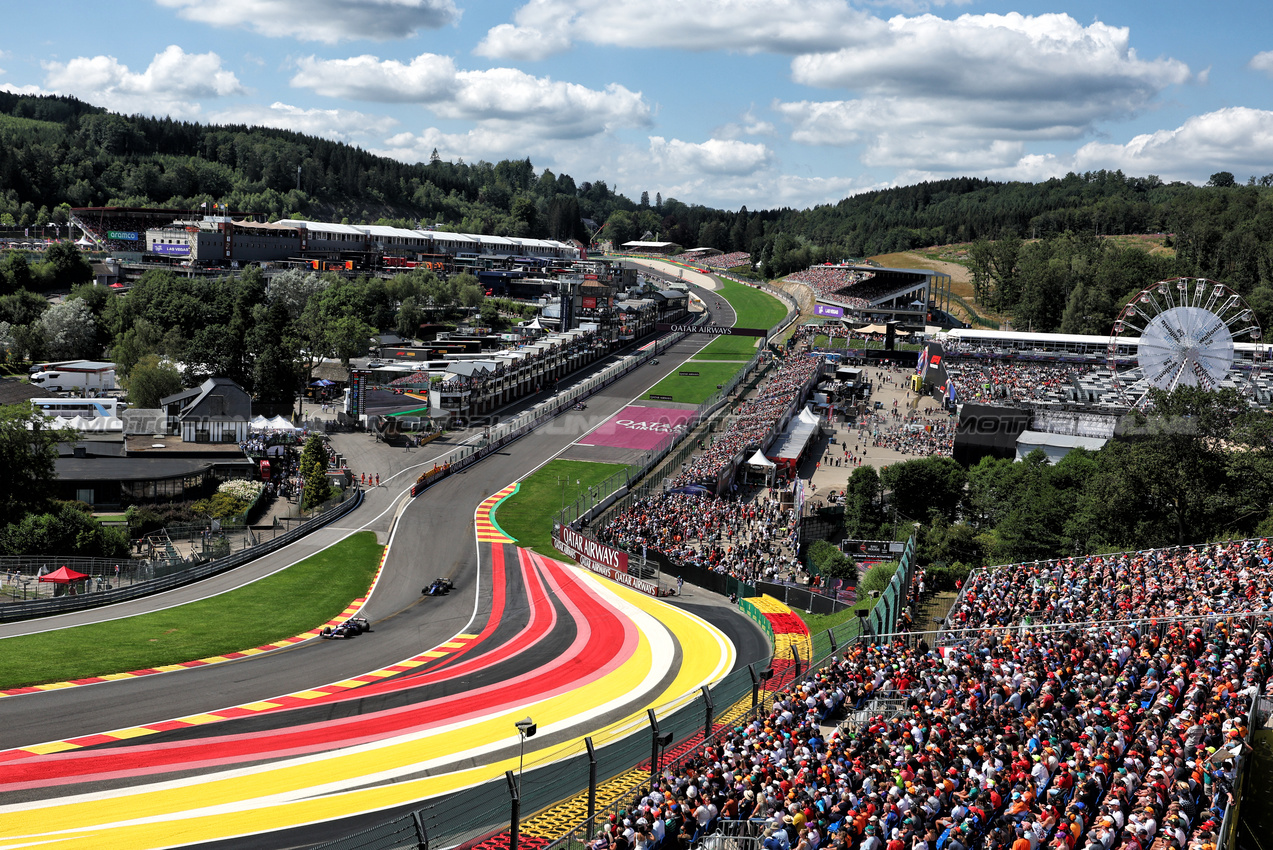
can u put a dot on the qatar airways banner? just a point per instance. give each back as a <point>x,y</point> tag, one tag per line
<point>600,559</point>
<point>710,330</point>
<point>637,427</point>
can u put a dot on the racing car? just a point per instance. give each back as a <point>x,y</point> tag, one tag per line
<point>352,627</point>
<point>440,587</point>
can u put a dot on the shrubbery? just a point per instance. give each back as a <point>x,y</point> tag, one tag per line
<point>232,499</point>
<point>829,561</point>
<point>877,578</point>
<point>68,529</point>
<point>143,519</point>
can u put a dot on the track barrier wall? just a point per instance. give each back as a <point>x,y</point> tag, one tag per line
<point>167,575</point>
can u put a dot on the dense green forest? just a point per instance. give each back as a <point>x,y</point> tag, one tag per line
<point>1036,250</point>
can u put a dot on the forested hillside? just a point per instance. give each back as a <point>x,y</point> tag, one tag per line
<point>1033,244</point>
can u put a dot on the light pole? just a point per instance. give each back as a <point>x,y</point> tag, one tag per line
<point>526,728</point>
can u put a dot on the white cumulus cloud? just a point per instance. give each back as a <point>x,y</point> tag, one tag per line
<point>1236,139</point>
<point>942,96</point>
<point>1262,62</point>
<point>544,27</point>
<point>170,85</point>
<point>328,21</point>
<point>1010,57</point>
<point>425,79</point>
<point>722,157</point>
<point>504,100</point>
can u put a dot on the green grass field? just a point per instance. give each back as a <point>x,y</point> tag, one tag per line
<point>694,390</point>
<point>287,603</point>
<point>755,309</point>
<point>528,515</point>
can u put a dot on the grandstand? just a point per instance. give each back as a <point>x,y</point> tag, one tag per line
<point>875,293</point>
<point>1015,367</point>
<point>222,239</point>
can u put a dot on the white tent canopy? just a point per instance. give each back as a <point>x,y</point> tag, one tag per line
<point>877,329</point>
<point>280,424</point>
<point>809,417</point>
<point>259,423</point>
<point>759,459</point>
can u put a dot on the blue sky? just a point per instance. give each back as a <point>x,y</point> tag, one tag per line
<point>762,103</point>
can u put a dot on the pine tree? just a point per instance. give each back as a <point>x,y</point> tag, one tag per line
<point>316,488</point>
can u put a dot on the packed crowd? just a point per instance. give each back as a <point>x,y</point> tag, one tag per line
<point>807,333</point>
<point>1116,728</point>
<point>914,434</point>
<point>726,261</point>
<point>1019,382</point>
<point>871,290</point>
<point>752,421</point>
<point>415,379</point>
<point>825,280</point>
<point>748,540</point>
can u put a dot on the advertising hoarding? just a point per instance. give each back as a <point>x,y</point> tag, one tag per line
<point>600,559</point>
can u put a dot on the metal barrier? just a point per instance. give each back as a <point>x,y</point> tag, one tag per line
<point>1260,708</point>
<point>158,582</point>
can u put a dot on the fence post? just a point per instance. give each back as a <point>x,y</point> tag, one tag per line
<point>421,836</point>
<point>710,711</point>
<point>654,747</point>
<point>592,781</point>
<point>515,817</point>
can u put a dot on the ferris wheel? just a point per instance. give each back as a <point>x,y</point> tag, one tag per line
<point>1191,332</point>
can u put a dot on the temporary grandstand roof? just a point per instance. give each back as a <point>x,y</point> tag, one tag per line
<point>323,226</point>
<point>791,445</point>
<point>657,246</point>
<point>877,329</point>
<point>1055,446</point>
<point>264,225</point>
<point>442,236</point>
<point>383,231</point>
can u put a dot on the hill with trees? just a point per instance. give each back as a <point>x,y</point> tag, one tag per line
<point>1037,248</point>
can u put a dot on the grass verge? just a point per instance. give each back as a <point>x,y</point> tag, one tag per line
<point>687,389</point>
<point>822,622</point>
<point>754,309</point>
<point>287,603</point>
<point>528,515</point>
